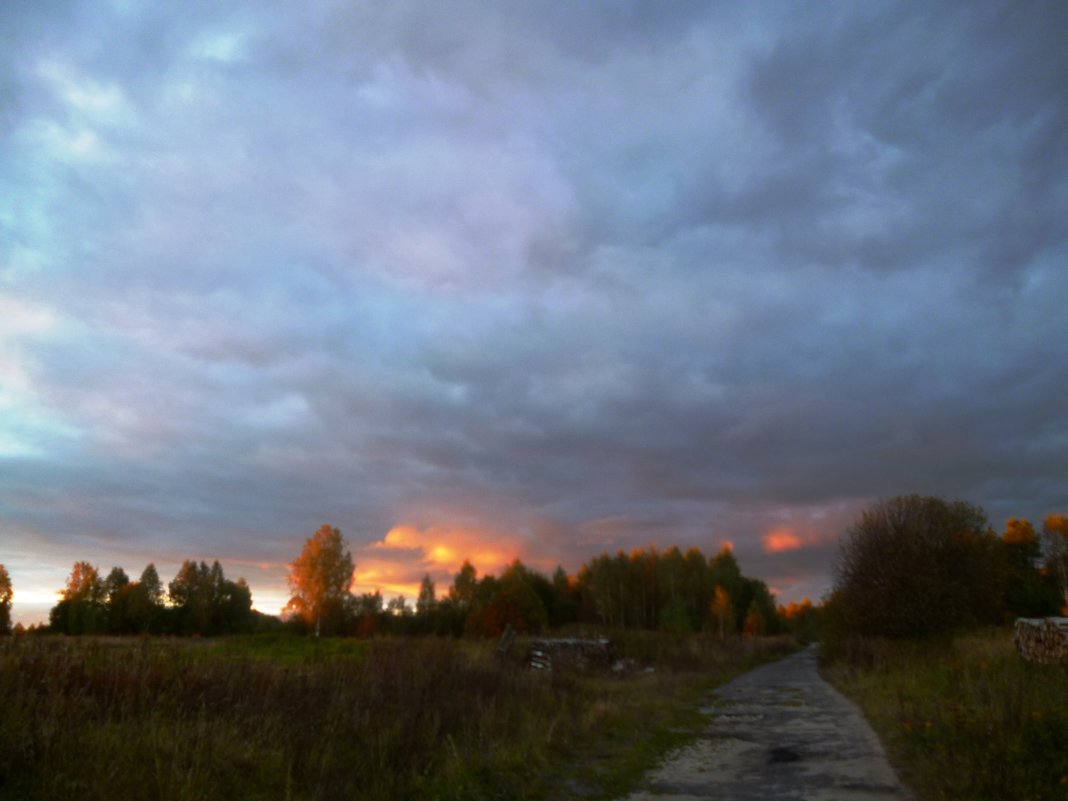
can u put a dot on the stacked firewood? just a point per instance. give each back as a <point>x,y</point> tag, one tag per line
<point>572,653</point>
<point>1042,639</point>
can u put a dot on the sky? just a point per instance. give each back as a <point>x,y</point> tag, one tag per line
<point>522,280</point>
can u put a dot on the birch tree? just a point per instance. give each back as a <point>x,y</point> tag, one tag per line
<point>320,579</point>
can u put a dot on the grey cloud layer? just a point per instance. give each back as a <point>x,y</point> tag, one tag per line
<point>698,271</point>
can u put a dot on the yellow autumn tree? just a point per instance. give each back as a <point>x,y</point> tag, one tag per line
<point>721,609</point>
<point>1019,532</point>
<point>320,579</point>
<point>84,584</point>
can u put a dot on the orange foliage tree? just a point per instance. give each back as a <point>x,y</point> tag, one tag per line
<point>1027,592</point>
<point>1055,542</point>
<point>721,610</point>
<point>320,579</point>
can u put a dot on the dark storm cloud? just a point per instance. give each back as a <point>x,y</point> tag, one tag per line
<point>556,279</point>
<point>916,138</point>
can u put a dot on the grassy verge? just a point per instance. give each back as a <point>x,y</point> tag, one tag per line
<point>967,720</point>
<point>634,722</point>
<point>281,718</point>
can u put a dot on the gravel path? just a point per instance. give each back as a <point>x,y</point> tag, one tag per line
<point>778,732</point>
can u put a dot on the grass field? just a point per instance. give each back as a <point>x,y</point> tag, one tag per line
<point>967,720</point>
<point>289,718</point>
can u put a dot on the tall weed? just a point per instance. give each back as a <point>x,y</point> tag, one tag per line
<point>277,718</point>
<point>966,719</point>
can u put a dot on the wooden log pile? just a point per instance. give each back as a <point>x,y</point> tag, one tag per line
<point>570,653</point>
<point>1042,639</point>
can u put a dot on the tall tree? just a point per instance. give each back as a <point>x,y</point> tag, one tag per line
<point>320,579</point>
<point>725,572</point>
<point>191,595</point>
<point>1027,593</point>
<point>146,612</point>
<point>697,587</point>
<point>151,586</point>
<point>427,599</point>
<point>81,606</point>
<point>565,605</point>
<point>721,610</point>
<point>6,596</point>
<point>464,586</point>
<point>118,597</point>
<point>113,584</point>
<point>84,584</point>
<point>234,607</point>
<point>1055,544</point>
<point>600,589</point>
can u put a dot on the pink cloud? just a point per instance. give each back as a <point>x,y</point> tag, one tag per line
<point>780,540</point>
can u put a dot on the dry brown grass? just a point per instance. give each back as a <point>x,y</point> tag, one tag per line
<point>277,718</point>
<point>967,720</point>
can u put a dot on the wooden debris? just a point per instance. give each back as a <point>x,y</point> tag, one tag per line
<point>570,653</point>
<point>504,645</point>
<point>1042,639</point>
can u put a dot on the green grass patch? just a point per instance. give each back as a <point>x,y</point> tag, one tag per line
<point>966,720</point>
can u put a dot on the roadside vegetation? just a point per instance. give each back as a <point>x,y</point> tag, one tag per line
<point>966,720</point>
<point>917,632</point>
<point>283,717</point>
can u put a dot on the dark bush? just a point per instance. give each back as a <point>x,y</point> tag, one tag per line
<point>916,566</point>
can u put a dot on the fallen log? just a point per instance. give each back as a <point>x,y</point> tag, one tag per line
<point>1043,640</point>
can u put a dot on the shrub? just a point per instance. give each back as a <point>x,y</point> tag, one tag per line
<point>915,567</point>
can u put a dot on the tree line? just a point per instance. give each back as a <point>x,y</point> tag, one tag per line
<point>644,589</point>
<point>910,566</point>
<point>916,566</point>
<point>199,600</point>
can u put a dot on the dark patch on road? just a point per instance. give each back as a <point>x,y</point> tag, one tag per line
<point>781,754</point>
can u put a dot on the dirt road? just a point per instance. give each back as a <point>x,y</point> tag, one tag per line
<point>778,732</point>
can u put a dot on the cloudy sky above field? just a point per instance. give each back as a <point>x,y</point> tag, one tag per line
<point>522,279</point>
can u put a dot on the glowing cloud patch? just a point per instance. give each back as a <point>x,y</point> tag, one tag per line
<point>444,548</point>
<point>388,578</point>
<point>781,540</point>
<point>397,563</point>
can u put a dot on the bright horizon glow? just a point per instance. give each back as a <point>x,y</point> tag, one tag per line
<point>415,555</point>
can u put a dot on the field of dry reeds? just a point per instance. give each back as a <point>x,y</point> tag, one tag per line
<point>291,718</point>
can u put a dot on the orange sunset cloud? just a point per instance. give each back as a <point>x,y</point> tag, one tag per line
<point>396,563</point>
<point>780,540</point>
